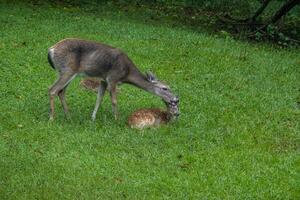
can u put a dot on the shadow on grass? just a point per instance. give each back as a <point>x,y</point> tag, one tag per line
<point>154,14</point>
<point>199,19</point>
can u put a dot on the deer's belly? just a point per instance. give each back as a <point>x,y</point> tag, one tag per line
<point>95,69</point>
<point>94,72</point>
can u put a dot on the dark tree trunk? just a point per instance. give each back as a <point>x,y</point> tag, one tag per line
<point>250,20</point>
<point>283,10</point>
<point>277,16</point>
<point>259,11</point>
<point>253,26</point>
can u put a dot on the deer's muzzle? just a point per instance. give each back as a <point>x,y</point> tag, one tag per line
<point>174,101</point>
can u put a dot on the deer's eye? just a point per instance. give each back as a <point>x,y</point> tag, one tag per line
<point>164,88</point>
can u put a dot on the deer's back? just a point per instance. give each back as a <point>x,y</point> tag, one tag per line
<point>88,57</point>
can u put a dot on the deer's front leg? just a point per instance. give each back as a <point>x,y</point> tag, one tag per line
<point>113,94</point>
<point>100,94</point>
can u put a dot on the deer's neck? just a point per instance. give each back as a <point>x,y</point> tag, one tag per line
<point>138,79</point>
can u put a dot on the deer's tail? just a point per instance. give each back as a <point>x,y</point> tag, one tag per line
<point>50,59</point>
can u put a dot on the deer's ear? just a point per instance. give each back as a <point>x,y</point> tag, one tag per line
<point>151,77</point>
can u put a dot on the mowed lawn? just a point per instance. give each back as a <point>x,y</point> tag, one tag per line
<point>237,136</point>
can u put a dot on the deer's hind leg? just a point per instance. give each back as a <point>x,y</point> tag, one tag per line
<point>58,88</point>
<point>61,95</point>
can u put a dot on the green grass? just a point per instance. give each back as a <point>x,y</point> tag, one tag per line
<point>237,136</point>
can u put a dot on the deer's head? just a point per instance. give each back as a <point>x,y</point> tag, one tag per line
<point>163,90</point>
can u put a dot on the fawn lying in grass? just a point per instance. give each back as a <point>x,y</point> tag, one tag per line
<point>90,84</point>
<point>152,117</point>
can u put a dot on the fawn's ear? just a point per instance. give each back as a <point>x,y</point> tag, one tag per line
<point>151,77</point>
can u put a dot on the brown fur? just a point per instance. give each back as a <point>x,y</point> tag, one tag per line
<point>90,84</point>
<point>145,118</point>
<point>71,57</point>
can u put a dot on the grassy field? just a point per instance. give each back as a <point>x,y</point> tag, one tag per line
<point>237,136</point>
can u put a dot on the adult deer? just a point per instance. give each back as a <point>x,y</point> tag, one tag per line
<point>71,57</point>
